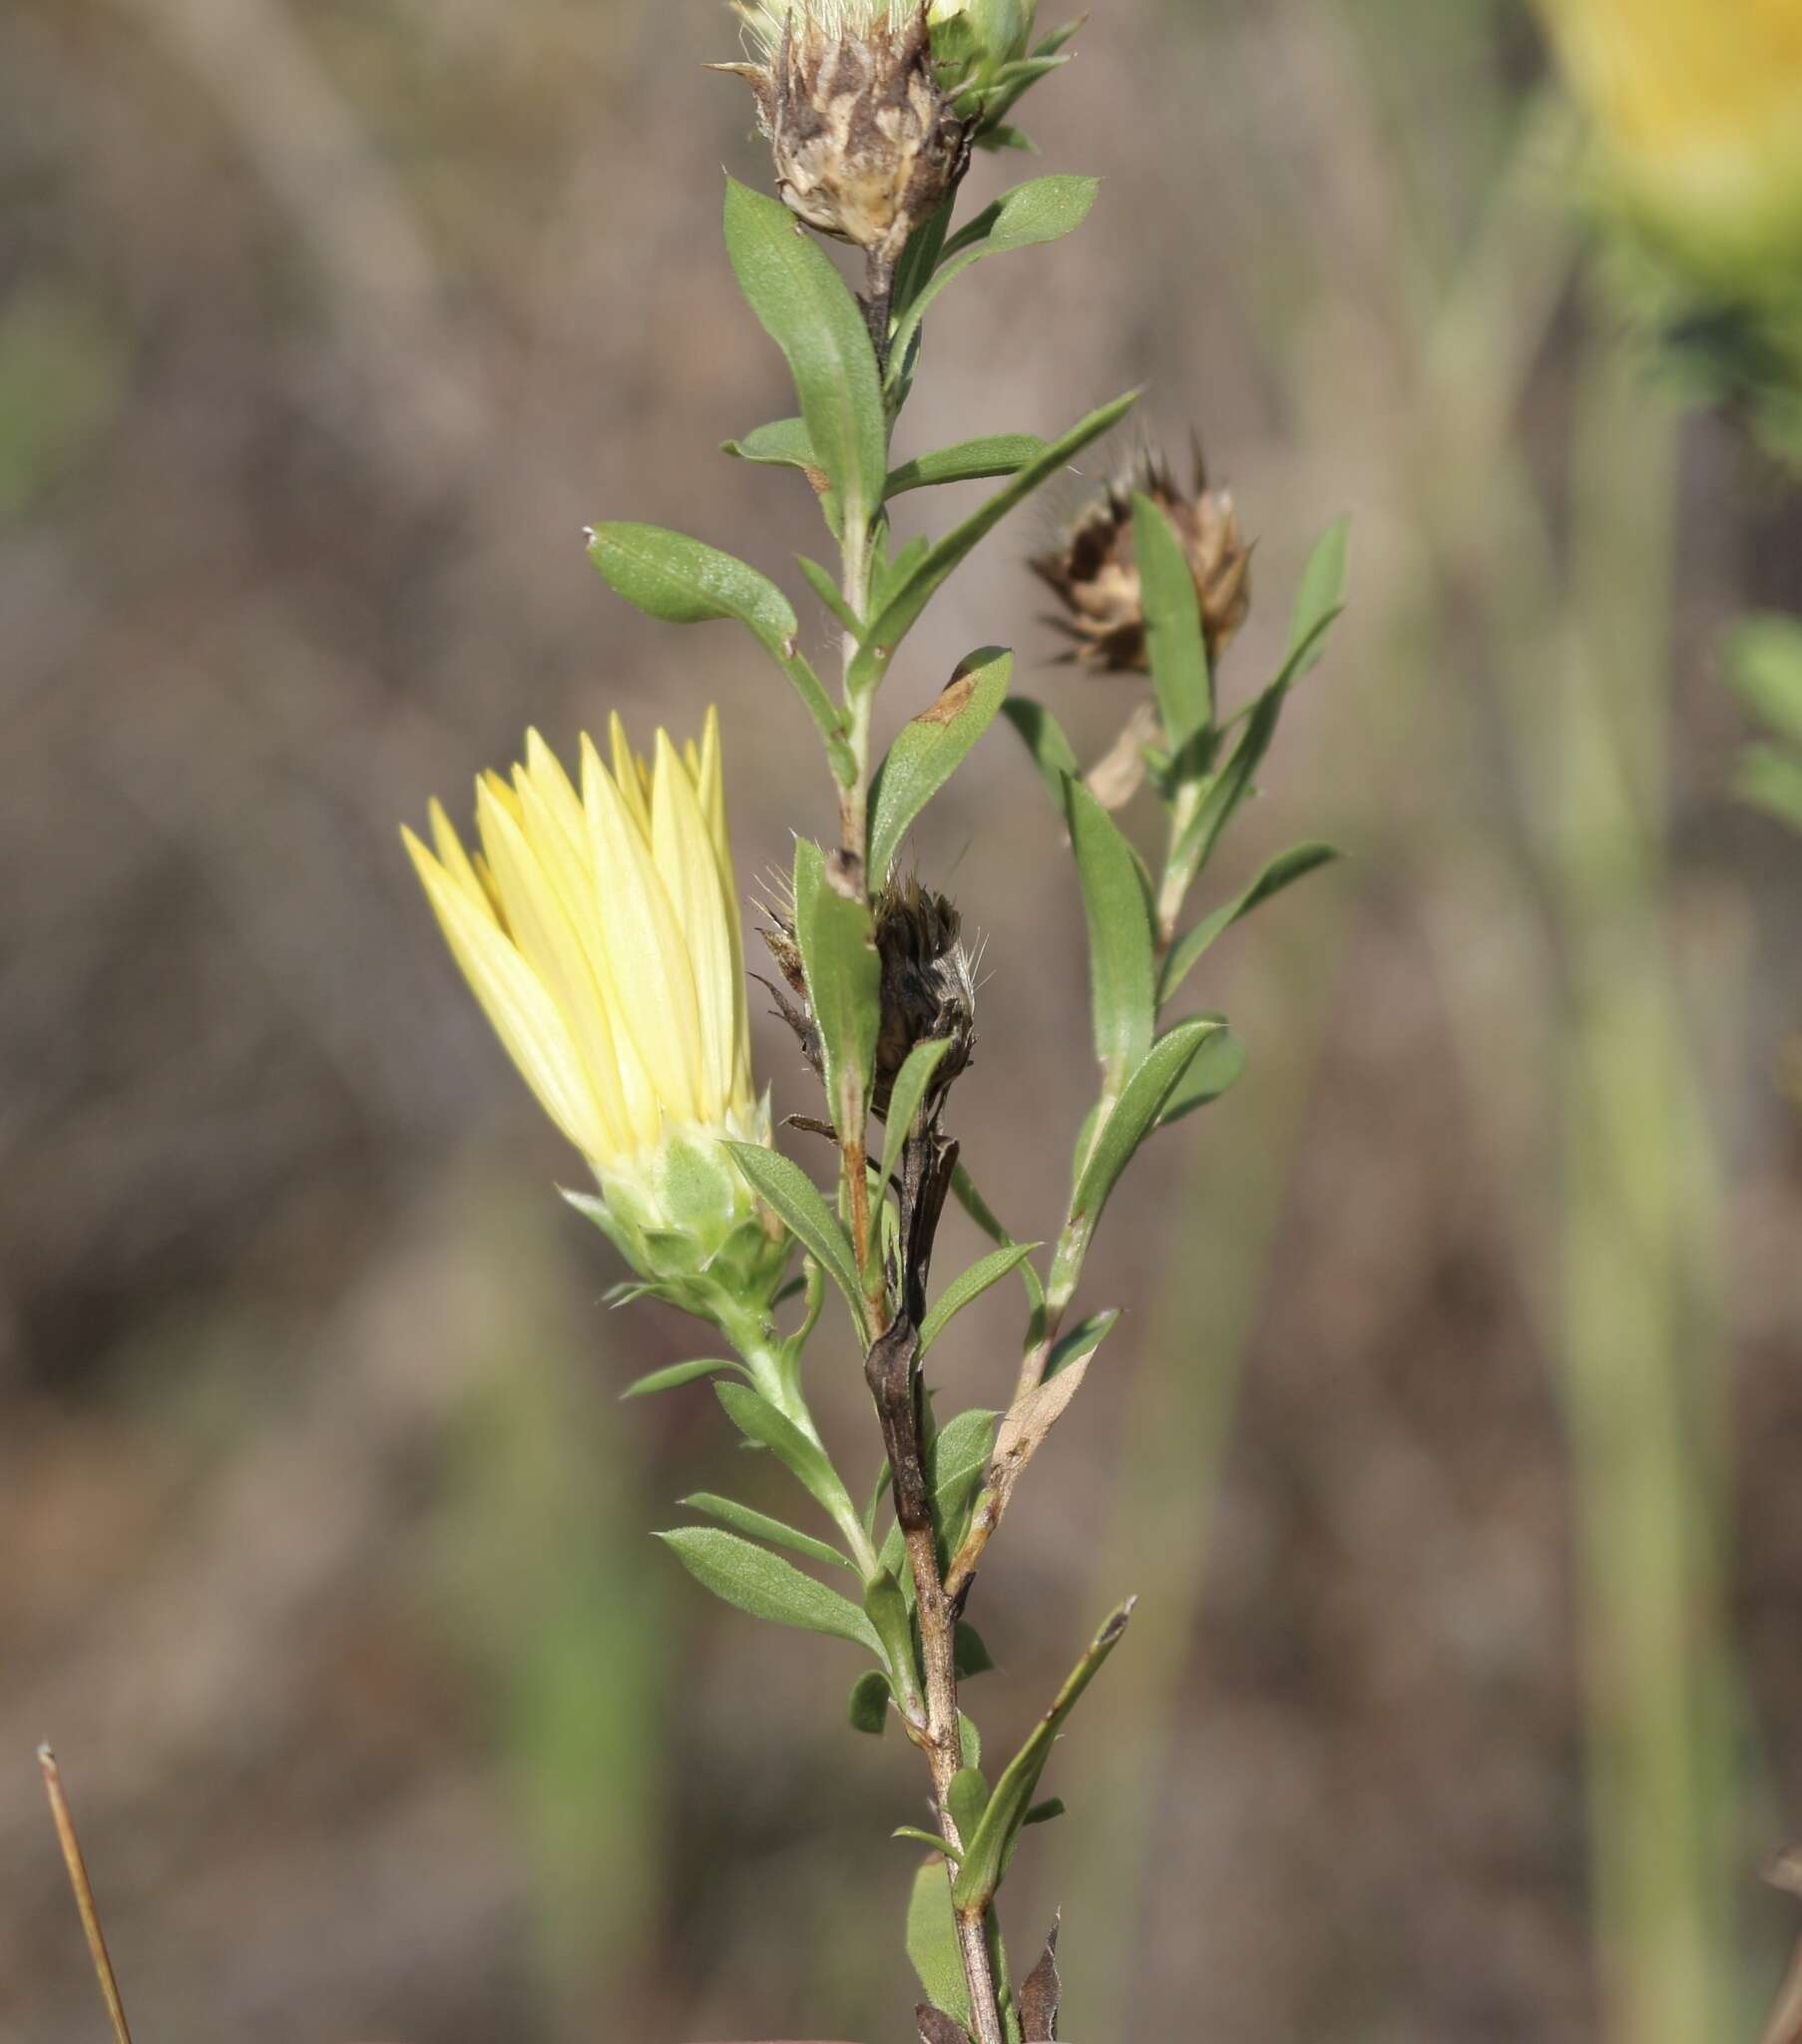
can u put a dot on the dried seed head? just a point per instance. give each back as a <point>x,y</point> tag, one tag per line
<point>866,144</point>
<point>928,983</point>
<point>1095,571</point>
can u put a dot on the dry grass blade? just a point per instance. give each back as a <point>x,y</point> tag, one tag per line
<point>84,1893</point>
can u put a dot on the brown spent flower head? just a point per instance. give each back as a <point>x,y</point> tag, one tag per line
<point>866,146</point>
<point>1095,573</point>
<point>928,985</point>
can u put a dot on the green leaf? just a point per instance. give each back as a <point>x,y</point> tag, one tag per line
<point>932,1942</point>
<point>820,581</point>
<point>929,750</point>
<point>971,1286</point>
<point>956,1461</point>
<point>889,573</point>
<point>968,1797</point>
<point>1135,1115</point>
<point>805,308</point>
<point>797,1201</point>
<point>1175,642</point>
<point>968,462</point>
<point>1219,1067</point>
<point>680,581</point>
<point>845,983</point>
<point>972,1654</point>
<point>1059,37</point>
<point>1122,945</point>
<point>1080,1343</point>
<point>1764,666</point>
<point>1052,754</point>
<point>1319,600</point>
<point>869,1702</point>
<point>760,1526</point>
<point>678,1375</point>
<point>915,1837</point>
<point>901,609</point>
<point>805,1460</point>
<point>1045,210</point>
<point>979,1210</point>
<point>986,1853</point>
<point>767,1586</point>
<point>1043,1813</point>
<point>968,1741</point>
<point>911,1086</point>
<point>1281,872</point>
<point>954,1464</point>
<point>781,444</point>
<point>1234,784</point>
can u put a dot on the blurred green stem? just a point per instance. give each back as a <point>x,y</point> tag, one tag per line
<point>1642,1282</point>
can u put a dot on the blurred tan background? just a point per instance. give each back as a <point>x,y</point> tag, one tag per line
<point>325,327</point>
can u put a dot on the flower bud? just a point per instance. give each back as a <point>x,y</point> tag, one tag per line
<point>866,144</point>
<point>1095,571</point>
<point>972,39</point>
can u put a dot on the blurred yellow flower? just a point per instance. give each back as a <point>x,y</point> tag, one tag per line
<point>1698,107</point>
<point>600,931</point>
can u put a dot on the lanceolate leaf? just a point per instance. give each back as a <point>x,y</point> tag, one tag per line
<point>1080,1343</point>
<point>929,750</point>
<point>979,1210</point>
<point>868,1706</point>
<point>1121,941</point>
<point>971,1286</point>
<point>781,444</point>
<point>808,310</point>
<point>767,1586</point>
<point>805,1460</point>
<point>1135,1115</point>
<point>1319,599</point>
<point>844,982</point>
<point>932,1942</point>
<point>985,1855</point>
<point>1052,752</point>
<point>968,461</point>
<point>1279,873</point>
<point>1216,1069</point>
<point>1042,210</point>
<point>954,1464</point>
<point>820,580</point>
<point>902,609</point>
<point>797,1200</point>
<point>1175,642</point>
<point>677,1375</point>
<point>684,582</point>
<point>760,1526</point>
<point>909,1091</point>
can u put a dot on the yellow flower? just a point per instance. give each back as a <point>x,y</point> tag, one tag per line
<point>1698,106</point>
<point>600,931</point>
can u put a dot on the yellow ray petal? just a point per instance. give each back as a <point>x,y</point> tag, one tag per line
<point>540,922</point>
<point>683,850</point>
<point>627,777</point>
<point>455,861</point>
<point>649,974</point>
<point>522,1013</point>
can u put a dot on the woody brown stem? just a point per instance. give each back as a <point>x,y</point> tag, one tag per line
<point>878,300</point>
